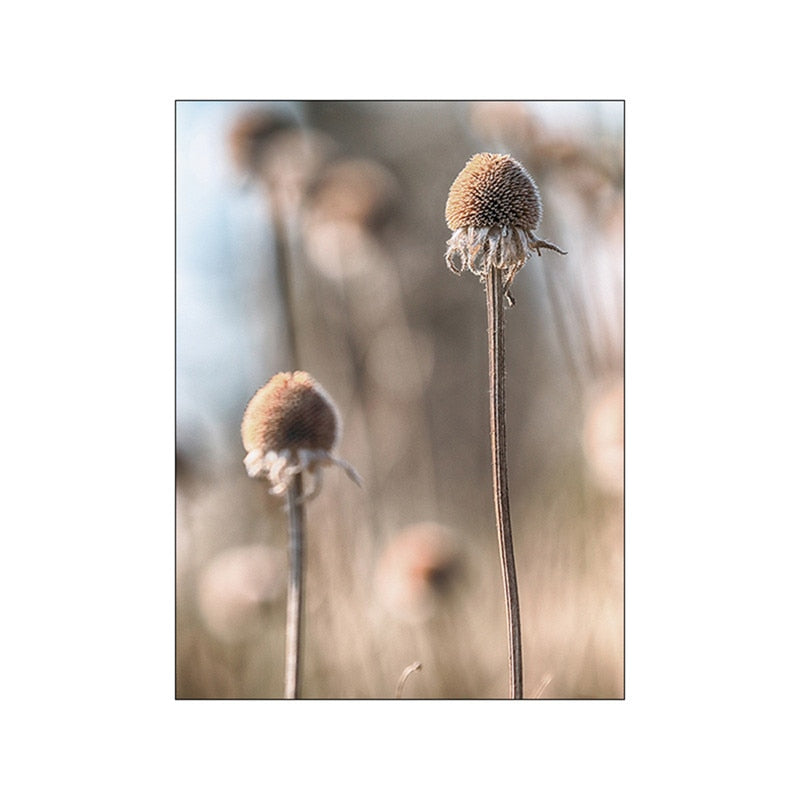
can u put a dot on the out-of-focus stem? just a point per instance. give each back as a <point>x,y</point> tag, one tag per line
<point>294,600</point>
<point>279,230</point>
<point>497,403</point>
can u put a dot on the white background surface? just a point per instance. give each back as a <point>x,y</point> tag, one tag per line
<point>88,359</point>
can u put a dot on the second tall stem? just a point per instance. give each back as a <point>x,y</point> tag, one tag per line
<point>497,402</point>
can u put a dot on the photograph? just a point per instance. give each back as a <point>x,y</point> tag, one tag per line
<point>399,399</point>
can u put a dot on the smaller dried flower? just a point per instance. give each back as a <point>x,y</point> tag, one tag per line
<point>493,209</point>
<point>289,426</point>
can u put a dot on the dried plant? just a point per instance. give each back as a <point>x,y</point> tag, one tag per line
<point>291,426</point>
<point>493,209</point>
<point>415,667</point>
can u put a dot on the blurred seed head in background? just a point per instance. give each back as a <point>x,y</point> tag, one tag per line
<point>235,588</point>
<point>416,570</point>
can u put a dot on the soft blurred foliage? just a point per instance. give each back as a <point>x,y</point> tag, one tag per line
<point>311,235</point>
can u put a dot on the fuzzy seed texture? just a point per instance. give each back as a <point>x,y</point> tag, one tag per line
<point>291,425</point>
<point>290,413</point>
<point>493,190</point>
<point>493,209</point>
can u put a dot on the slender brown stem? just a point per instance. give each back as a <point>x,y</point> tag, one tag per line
<point>294,600</point>
<point>497,383</point>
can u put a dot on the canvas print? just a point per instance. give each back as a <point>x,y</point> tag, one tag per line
<point>399,400</point>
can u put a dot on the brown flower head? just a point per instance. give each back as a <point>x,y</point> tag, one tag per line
<point>290,425</point>
<point>250,135</point>
<point>355,190</point>
<point>416,570</point>
<point>493,190</point>
<point>493,210</point>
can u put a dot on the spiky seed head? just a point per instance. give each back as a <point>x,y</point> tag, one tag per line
<point>291,412</point>
<point>493,190</point>
<point>493,209</point>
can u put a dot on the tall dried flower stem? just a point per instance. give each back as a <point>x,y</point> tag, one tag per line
<point>497,382</point>
<point>294,599</point>
<point>291,426</point>
<point>493,209</point>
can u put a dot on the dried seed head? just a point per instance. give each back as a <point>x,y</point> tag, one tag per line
<point>493,210</point>
<point>290,425</point>
<point>416,570</point>
<point>355,190</point>
<point>493,190</point>
<point>250,136</point>
<point>290,412</point>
